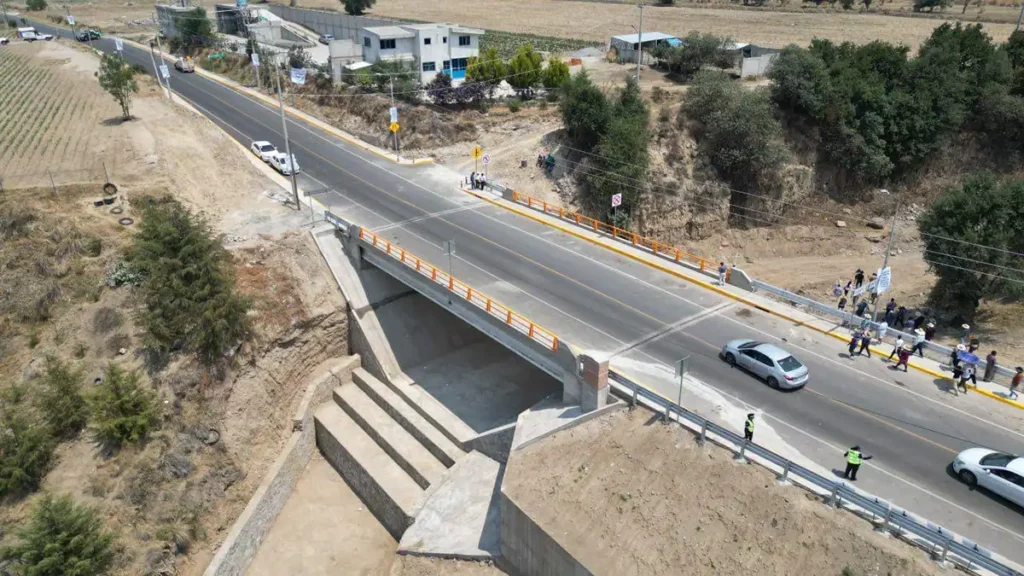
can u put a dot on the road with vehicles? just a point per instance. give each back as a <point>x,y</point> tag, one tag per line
<point>646,320</point>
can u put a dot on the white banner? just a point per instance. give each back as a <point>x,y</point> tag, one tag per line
<point>298,75</point>
<point>884,280</point>
<point>164,71</point>
<point>255,59</point>
<point>118,44</point>
<point>71,20</point>
<point>394,113</point>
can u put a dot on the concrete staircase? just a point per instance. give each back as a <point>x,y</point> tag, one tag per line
<point>385,449</point>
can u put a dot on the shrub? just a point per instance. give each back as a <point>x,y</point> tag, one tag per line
<point>697,51</point>
<point>556,73</point>
<point>60,399</point>
<point>525,68</point>
<point>920,5</point>
<point>799,80</point>
<point>489,68</point>
<point>121,410</point>
<point>357,7</point>
<point>620,160</point>
<point>61,538</point>
<point>26,453</point>
<point>35,5</point>
<point>585,111</point>
<point>513,106</point>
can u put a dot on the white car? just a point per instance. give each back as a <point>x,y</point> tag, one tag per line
<point>281,163</point>
<point>265,150</point>
<point>1001,473</point>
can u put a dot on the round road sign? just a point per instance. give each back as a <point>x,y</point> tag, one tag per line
<point>486,159</point>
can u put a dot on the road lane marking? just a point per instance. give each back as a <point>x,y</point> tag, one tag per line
<point>685,322</point>
<point>437,214</point>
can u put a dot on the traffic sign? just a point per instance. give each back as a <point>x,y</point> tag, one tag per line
<point>486,159</point>
<point>616,200</point>
<point>255,59</point>
<point>477,152</point>
<point>884,280</point>
<point>118,44</point>
<point>164,71</point>
<point>394,114</point>
<point>393,127</point>
<point>71,20</point>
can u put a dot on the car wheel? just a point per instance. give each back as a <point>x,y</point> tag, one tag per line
<point>730,359</point>
<point>968,478</point>
<point>772,382</point>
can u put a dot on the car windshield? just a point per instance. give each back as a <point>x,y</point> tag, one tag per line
<point>998,459</point>
<point>266,148</point>
<point>749,345</point>
<point>790,364</point>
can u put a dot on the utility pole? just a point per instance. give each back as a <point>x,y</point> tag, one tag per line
<point>160,51</point>
<point>156,69</point>
<point>885,262</point>
<point>640,41</point>
<point>287,142</point>
<point>3,6</point>
<point>67,10</point>
<point>394,133</point>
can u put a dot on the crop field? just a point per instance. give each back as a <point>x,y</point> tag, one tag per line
<point>51,109</point>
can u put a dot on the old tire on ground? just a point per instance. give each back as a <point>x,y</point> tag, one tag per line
<point>117,210</point>
<point>968,478</point>
<point>110,188</point>
<point>125,221</point>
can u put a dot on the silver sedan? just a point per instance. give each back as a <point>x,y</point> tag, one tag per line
<point>778,368</point>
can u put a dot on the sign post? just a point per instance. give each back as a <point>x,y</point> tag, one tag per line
<point>616,202</point>
<point>476,154</point>
<point>486,160</point>
<point>449,250</point>
<point>681,368</point>
<point>119,45</point>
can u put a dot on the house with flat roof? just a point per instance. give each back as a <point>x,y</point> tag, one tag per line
<point>430,48</point>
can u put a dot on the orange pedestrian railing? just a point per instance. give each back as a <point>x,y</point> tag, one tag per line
<point>516,321</point>
<point>660,248</point>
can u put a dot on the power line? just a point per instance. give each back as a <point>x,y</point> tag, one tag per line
<point>974,261</point>
<point>999,276</point>
<point>973,244</point>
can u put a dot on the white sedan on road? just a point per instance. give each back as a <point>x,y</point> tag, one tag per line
<point>283,165</point>
<point>1001,473</point>
<point>265,150</point>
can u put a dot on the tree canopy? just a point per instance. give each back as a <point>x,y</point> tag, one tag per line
<point>61,538</point>
<point>525,68</point>
<point>60,399</point>
<point>122,411</point>
<point>357,7</point>
<point>556,73</point>
<point>489,68</point>
<point>194,30</point>
<point>585,111</point>
<point>118,78</point>
<point>696,51</point>
<point>26,452</point>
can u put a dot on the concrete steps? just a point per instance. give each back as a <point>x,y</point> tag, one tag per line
<point>388,490</point>
<point>414,458</point>
<point>433,439</point>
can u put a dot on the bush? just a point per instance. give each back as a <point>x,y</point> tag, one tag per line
<point>514,106</point>
<point>26,453</point>
<point>525,68</point>
<point>585,111</point>
<point>60,399</point>
<point>357,7</point>
<point>189,288</point>
<point>920,5</point>
<point>737,130</point>
<point>299,58</point>
<point>489,68</point>
<point>799,80</point>
<point>121,410</point>
<point>61,538</point>
<point>195,31</point>
<point>620,160</point>
<point>697,51</point>
<point>35,5</point>
<point>556,73</point>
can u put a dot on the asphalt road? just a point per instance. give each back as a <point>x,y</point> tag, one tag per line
<point>609,304</point>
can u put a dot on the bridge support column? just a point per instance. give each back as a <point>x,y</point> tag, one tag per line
<point>593,382</point>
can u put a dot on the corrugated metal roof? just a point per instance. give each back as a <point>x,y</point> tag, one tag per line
<point>648,37</point>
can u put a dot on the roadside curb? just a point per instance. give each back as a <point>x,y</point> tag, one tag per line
<point>227,83</point>
<point>707,285</point>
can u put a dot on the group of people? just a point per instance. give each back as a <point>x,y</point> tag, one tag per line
<point>854,456</point>
<point>477,180</point>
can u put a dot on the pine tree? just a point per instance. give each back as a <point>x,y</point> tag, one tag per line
<point>122,410</point>
<point>61,538</point>
<point>60,399</point>
<point>26,453</point>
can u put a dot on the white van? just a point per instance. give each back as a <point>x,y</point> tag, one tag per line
<point>30,35</point>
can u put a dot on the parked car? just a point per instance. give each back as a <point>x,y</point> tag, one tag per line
<point>1001,473</point>
<point>185,65</point>
<point>87,35</point>
<point>31,35</point>
<point>778,368</point>
<point>280,162</point>
<point>4,41</point>
<point>265,150</point>
<point>326,38</point>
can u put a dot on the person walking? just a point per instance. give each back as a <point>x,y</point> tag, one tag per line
<point>990,366</point>
<point>722,269</point>
<point>842,303</point>
<point>891,306</point>
<point>904,357</point>
<point>854,458</point>
<point>890,318</point>
<point>853,342</point>
<point>965,333</point>
<point>847,288</point>
<point>865,344</point>
<point>1015,383</point>
<point>883,329</point>
<point>858,277</point>
<point>862,307</point>
<point>958,372</point>
<point>901,317</point>
<point>837,290</point>
<point>967,374</point>
<point>748,429</point>
<point>897,347</point>
<point>954,356</point>
<point>929,332</point>
<point>918,343</point>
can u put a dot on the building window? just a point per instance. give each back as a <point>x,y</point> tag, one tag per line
<point>387,44</point>
<point>426,41</point>
<point>463,40</point>
<point>444,40</point>
<point>429,66</point>
<point>447,66</point>
<point>366,41</point>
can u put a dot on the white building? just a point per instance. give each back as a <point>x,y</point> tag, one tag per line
<point>430,48</point>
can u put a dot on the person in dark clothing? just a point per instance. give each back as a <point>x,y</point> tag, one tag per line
<point>918,343</point>
<point>858,277</point>
<point>891,306</point>
<point>842,303</point>
<point>889,318</point>
<point>901,317</point>
<point>865,343</point>
<point>847,288</point>
<point>862,307</point>
<point>990,366</point>
<point>748,428</point>
<point>853,342</point>
<point>954,356</point>
<point>854,459</point>
<point>929,332</point>
<point>904,357</point>
<point>973,345</point>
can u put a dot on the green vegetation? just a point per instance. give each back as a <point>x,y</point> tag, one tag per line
<point>489,68</point>
<point>507,43</point>
<point>26,452</point>
<point>556,73</point>
<point>525,68</point>
<point>60,399</point>
<point>35,5</point>
<point>61,538</point>
<point>931,5</point>
<point>121,410</point>
<point>118,78</point>
<point>697,51</point>
<point>195,31</point>
<point>357,7</point>
<point>585,111</point>
<point>737,130</point>
<point>189,288</point>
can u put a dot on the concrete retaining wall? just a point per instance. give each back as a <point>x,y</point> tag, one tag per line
<point>527,549</point>
<point>340,25</point>
<point>495,444</point>
<point>252,525</point>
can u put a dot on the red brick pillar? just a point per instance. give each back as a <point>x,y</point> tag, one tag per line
<point>593,378</point>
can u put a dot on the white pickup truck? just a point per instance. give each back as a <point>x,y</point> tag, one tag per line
<point>31,35</point>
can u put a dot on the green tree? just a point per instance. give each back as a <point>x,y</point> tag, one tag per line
<point>585,111</point>
<point>556,73</point>
<point>122,411</point>
<point>195,30</point>
<point>799,80</point>
<point>620,161</point>
<point>60,399</point>
<point>488,68</point>
<point>737,130</point>
<point>525,68</point>
<point>61,538</point>
<point>35,5</point>
<point>697,51</point>
<point>931,5</point>
<point>357,7</point>
<point>26,453</point>
<point>1014,48</point>
<point>984,212</point>
<point>118,78</point>
<point>189,288</point>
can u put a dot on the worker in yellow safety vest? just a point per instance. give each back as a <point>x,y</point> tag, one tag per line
<point>748,428</point>
<point>854,458</point>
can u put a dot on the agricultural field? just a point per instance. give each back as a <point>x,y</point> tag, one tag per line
<point>50,118</point>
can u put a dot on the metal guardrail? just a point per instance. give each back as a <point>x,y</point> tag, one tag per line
<point>943,544</point>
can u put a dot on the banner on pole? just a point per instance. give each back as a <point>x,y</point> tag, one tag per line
<point>118,44</point>
<point>255,59</point>
<point>298,76</point>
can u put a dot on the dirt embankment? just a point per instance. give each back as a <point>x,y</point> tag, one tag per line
<point>597,486</point>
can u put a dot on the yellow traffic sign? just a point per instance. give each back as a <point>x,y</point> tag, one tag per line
<point>394,127</point>
<point>477,152</point>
